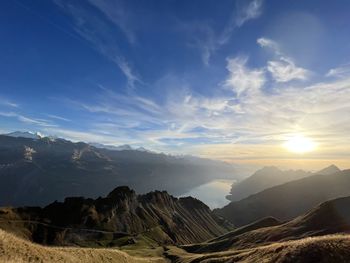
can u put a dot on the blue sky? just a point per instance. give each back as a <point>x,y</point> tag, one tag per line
<point>230,80</point>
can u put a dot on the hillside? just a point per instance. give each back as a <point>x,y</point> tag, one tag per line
<point>119,218</point>
<point>288,200</point>
<point>331,217</point>
<point>39,171</point>
<point>14,249</point>
<point>325,249</point>
<point>263,179</point>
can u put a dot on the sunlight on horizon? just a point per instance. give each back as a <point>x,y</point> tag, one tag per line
<point>300,144</point>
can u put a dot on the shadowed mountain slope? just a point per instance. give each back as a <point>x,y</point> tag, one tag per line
<point>331,217</point>
<point>157,215</point>
<point>40,171</point>
<point>288,200</point>
<point>268,177</point>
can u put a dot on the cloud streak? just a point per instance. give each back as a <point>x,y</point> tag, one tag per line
<point>116,12</point>
<point>212,41</point>
<point>97,32</point>
<point>282,68</point>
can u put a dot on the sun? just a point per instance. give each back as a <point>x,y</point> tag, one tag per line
<point>300,144</point>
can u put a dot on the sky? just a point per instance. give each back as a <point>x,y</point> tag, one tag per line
<point>229,80</point>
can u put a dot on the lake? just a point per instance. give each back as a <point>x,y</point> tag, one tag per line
<point>213,193</point>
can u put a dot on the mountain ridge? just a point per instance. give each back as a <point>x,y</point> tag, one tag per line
<point>288,200</point>
<point>263,178</point>
<point>158,215</point>
<point>37,172</point>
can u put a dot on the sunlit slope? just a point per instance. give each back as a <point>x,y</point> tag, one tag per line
<point>325,249</point>
<point>14,249</point>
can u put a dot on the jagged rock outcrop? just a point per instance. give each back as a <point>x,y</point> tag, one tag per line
<point>162,217</point>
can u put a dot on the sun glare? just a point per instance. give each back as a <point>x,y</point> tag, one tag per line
<point>300,144</point>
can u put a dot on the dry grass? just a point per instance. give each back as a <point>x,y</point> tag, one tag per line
<point>14,249</point>
<point>334,248</point>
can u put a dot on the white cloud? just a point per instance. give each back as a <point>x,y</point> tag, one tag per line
<point>339,72</point>
<point>251,126</point>
<point>8,103</point>
<point>56,117</point>
<point>251,11</point>
<point>242,79</point>
<point>124,66</point>
<point>282,68</point>
<point>265,42</point>
<point>28,120</point>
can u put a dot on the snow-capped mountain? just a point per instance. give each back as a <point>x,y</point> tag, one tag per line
<point>124,147</point>
<point>26,134</point>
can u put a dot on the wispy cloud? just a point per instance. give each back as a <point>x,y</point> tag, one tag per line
<point>285,70</point>
<point>282,68</point>
<point>211,41</point>
<point>97,32</point>
<point>251,10</point>
<point>56,117</point>
<point>124,66</point>
<point>8,103</point>
<point>28,120</point>
<point>243,124</point>
<point>339,72</point>
<point>116,12</point>
<point>242,79</point>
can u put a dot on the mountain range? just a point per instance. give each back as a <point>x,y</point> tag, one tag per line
<point>119,217</point>
<point>288,200</point>
<point>263,178</point>
<point>269,240</point>
<point>268,177</point>
<point>305,220</point>
<point>42,170</point>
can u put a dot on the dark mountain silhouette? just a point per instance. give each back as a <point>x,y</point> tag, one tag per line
<point>331,217</point>
<point>288,200</point>
<point>39,171</point>
<point>263,179</point>
<point>157,215</point>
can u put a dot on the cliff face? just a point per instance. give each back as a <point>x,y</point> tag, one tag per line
<point>158,215</point>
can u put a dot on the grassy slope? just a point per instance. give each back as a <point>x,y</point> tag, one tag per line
<point>14,249</point>
<point>332,248</point>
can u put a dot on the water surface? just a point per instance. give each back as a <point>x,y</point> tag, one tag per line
<point>213,193</point>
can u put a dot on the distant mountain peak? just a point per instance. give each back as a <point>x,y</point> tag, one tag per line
<point>332,169</point>
<point>268,169</point>
<point>124,147</point>
<point>25,134</point>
